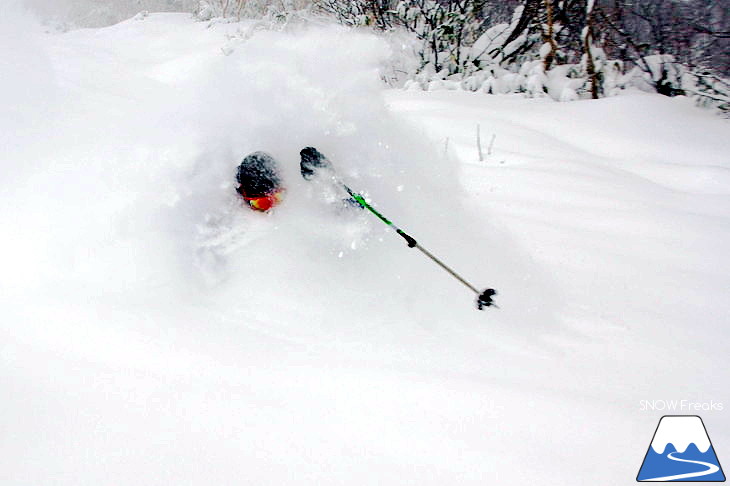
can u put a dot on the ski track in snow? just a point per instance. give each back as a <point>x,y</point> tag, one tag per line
<point>155,332</point>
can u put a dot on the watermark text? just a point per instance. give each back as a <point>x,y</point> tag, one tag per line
<point>679,406</point>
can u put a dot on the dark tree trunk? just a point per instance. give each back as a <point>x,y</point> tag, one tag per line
<point>529,13</point>
<point>549,35</point>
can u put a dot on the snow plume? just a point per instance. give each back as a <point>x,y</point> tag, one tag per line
<point>130,191</point>
<point>25,85</point>
<point>277,92</point>
<point>29,97</point>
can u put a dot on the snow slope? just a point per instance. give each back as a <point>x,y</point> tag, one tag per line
<point>154,332</point>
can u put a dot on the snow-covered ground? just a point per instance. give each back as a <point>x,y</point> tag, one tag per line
<point>156,332</point>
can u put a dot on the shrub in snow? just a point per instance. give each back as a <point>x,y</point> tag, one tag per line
<point>489,42</point>
<point>446,30</point>
<point>347,12</point>
<point>564,83</point>
<point>474,81</point>
<point>659,73</point>
<point>613,77</point>
<point>443,84</point>
<point>708,90</point>
<point>210,9</point>
<point>662,74</point>
<point>506,82</point>
<point>403,62</point>
<point>412,85</point>
<point>456,48</point>
<point>534,73</point>
<point>205,11</point>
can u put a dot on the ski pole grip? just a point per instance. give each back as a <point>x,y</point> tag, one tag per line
<point>409,239</point>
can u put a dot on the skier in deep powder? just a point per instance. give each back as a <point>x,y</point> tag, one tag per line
<point>259,181</point>
<point>260,185</point>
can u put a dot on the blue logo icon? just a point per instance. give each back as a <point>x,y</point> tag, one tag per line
<point>681,451</point>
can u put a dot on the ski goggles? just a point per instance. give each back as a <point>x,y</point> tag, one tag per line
<point>266,202</point>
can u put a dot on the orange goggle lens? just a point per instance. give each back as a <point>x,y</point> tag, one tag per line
<point>264,203</point>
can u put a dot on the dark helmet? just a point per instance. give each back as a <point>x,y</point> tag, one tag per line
<point>258,175</point>
<point>311,160</point>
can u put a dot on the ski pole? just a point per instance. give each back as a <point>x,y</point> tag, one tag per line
<point>484,299</point>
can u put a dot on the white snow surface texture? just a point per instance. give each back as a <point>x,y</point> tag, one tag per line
<point>154,331</point>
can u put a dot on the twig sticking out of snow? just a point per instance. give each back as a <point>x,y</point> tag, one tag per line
<point>479,144</point>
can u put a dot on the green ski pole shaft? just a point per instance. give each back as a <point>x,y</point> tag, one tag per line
<point>484,299</point>
<point>362,202</point>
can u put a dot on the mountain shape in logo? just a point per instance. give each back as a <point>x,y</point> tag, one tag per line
<point>681,451</point>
